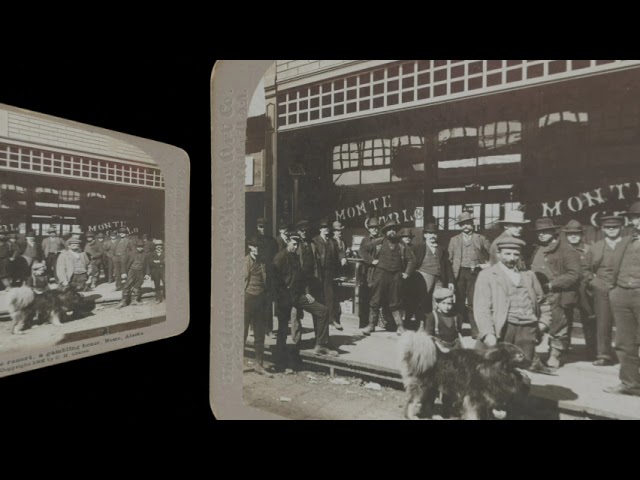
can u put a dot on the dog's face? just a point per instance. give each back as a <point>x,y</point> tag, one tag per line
<point>506,353</point>
<point>70,298</point>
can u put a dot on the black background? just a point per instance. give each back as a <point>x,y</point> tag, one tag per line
<point>156,92</point>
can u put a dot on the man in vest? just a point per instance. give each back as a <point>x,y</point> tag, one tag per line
<point>574,234</point>
<point>121,250</point>
<point>508,304</point>
<point>625,305</point>
<point>557,267</point>
<point>329,262</point>
<point>468,253</point>
<point>95,253</point>
<point>393,263</point>
<point>513,224</point>
<point>433,270</point>
<point>52,246</point>
<point>72,266</point>
<point>373,227</point>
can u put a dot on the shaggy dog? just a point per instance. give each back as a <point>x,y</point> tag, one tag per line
<point>26,306</point>
<point>472,382</point>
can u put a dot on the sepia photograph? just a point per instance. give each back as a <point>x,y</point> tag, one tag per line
<point>433,239</point>
<point>82,239</point>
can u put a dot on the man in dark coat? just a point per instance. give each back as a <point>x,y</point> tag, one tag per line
<point>121,249</point>
<point>433,269</point>
<point>373,226</point>
<point>281,239</point>
<point>156,264</point>
<point>625,304</point>
<point>393,263</point>
<point>557,267</point>
<point>95,252</point>
<point>329,262</point>
<point>5,255</point>
<point>138,269</point>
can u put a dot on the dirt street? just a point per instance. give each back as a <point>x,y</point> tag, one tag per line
<point>104,315</point>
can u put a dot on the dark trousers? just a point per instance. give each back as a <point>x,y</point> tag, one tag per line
<point>51,261</point>
<point>604,321</point>
<point>133,285</point>
<point>328,297</point>
<point>625,304</point>
<point>255,315</point>
<point>363,306</point>
<point>108,268</point>
<point>79,281</point>
<point>386,290</point>
<point>427,284</point>
<point>94,270</point>
<point>465,287</point>
<point>288,305</point>
<point>157,275</point>
<point>119,269</point>
<point>523,336</point>
<point>560,321</point>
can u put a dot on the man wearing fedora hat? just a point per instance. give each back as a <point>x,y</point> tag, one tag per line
<point>558,269</point>
<point>625,305</point>
<point>373,226</point>
<point>336,232</point>
<point>393,263</point>
<point>52,246</point>
<point>468,253</point>
<point>513,224</point>
<point>574,234</point>
<point>329,262</point>
<point>508,304</point>
<point>268,244</point>
<point>433,270</point>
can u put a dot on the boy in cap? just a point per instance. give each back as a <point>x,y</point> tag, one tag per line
<point>95,253</point>
<point>121,250</point>
<point>574,233</point>
<point>72,266</point>
<point>625,305</point>
<point>441,322</point>
<point>137,266</point>
<point>156,263</point>
<point>468,254</point>
<point>558,269</point>
<point>507,304</point>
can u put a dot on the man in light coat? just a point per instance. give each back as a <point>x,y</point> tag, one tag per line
<point>73,265</point>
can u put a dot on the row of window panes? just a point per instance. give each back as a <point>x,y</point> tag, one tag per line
<point>64,195</point>
<point>413,81</point>
<point>23,158</point>
<point>491,214</point>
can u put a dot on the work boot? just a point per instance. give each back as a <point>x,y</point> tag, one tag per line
<point>122,304</point>
<point>538,367</point>
<point>259,368</point>
<point>554,360</point>
<point>397,317</point>
<point>373,321</point>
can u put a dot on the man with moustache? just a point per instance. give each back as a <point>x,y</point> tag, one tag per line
<point>393,263</point>
<point>108,248</point>
<point>558,269</point>
<point>468,253</point>
<point>574,233</point>
<point>365,293</point>
<point>433,270</point>
<point>329,262</point>
<point>508,303</point>
<point>513,225</point>
<point>95,253</point>
<point>72,266</point>
<point>121,250</point>
<point>625,305</point>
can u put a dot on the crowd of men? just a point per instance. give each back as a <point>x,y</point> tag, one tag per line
<point>84,260</point>
<point>506,290</point>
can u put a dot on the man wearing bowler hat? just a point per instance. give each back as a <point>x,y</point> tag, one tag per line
<point>433,270</point>
<point>373,226</point>
<point>513,224</point>
<point>393,262</point>
<point>557,267</point>
<point>625,305</point>
<point>52,246</point>
<point>508,304</point>
<point>574,233</point>
<point>468,253</point>
<point>329,262</point>
<point>122,248</point>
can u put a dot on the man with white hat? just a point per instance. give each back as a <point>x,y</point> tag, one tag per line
<point>513,224</point>
<point>468,253</point>
<point>558,269</point>
<point>625,304</point>
<point>393,263</point>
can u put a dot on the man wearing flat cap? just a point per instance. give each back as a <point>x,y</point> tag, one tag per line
<point>293,293</point>
<point>625,305</point>
<point>513,224</point>
<point>373,226</point>
<point>433,269</point>
<point>52,246</point>
<point>392,262</point>
<point>558,269</point>
<point>122,248</point>
<point>468,253</point>
<point>507,303</point>
<point>138,270</point>
<point>329,262</point>
<point>574,233</point>
<point>72,266</point>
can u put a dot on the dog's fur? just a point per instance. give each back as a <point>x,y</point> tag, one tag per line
<point>25,306</point>
<point>472,382</point>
